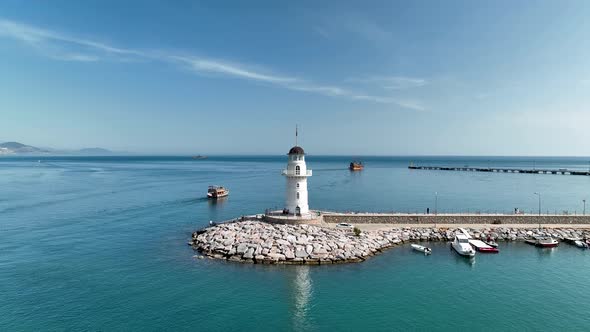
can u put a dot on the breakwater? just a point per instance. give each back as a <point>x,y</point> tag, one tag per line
<point>265,243</point>
<point>561,171</point>
<point>482,219</point>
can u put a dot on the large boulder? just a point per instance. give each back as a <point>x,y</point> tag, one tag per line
<point>249,254</point>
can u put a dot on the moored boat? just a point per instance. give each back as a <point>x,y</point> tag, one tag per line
<point>425,250</point>
<point>462,247</point>
<point>547,242</point>
<point>543,242</point>
<point>356,166</point>
<point>217,192</point>
<point>482,246</point>
<point>581,244</point>
<point>491,243</point>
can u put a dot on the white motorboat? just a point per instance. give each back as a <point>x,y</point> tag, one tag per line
<point>462,246</point>
<point>425,250</point>
<point>581,244</point>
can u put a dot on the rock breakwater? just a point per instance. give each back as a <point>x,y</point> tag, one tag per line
<point>259,242</point>
<point>264,243</point>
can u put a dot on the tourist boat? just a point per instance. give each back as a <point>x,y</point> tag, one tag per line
<point>581,244</point>
<point>482,246</point>
<point>356,166</point>
<point>425,250</point>
<point>217,192</point>
<point>462,246</point>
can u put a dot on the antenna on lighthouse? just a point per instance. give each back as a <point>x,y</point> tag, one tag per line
<point>296,135</point>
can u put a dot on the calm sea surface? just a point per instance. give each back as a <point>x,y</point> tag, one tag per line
<point>99,243</point>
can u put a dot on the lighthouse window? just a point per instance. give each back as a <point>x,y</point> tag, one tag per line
<point>297,195</point>
<point>297,170</point>
<point>298,185</point>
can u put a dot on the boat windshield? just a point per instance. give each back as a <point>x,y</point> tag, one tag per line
<point>463,240</point>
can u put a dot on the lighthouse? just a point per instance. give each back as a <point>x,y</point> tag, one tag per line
<point>296,174</point>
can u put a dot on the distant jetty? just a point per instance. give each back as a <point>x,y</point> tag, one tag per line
<point>561,171</point>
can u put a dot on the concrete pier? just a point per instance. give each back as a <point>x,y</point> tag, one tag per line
<point>455,219</point>
<point>560,171</point>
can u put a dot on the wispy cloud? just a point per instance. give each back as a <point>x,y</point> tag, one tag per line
<point>348,24</point>
<point>394,82</point>
<point>202,65</point>
<point>58,43</point>
<point>64,47</point>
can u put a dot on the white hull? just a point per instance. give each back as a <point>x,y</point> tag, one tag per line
<point>426,251</point>
<point>462,251</point>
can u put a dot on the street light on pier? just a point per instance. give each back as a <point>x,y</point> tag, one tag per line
<point>584,211</point>
<point>435,207</point>
<point>435,202</point>
<point>539,194</point>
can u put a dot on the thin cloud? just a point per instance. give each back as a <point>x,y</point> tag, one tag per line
<point>64,47</point>
<point>201,65</point>
<point>394,82</point>
<point>347,25</point>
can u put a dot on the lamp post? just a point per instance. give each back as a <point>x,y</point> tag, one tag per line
<point>539,194</point>
<point>584,213</point>
<point>435,202</point>
<point>435,207</point>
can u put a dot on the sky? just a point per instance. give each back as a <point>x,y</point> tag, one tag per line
<point>358,77</point>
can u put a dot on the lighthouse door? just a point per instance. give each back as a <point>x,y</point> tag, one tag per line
<point>298,210</point>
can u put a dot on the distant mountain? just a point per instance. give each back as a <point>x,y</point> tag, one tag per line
<point>10,148</point>
<point>19,148</point>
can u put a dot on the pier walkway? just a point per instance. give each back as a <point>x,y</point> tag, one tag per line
<point>561,171</point>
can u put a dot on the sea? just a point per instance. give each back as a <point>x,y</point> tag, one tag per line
<point>100,244</point>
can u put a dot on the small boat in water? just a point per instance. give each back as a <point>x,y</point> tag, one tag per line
<point>425,250</point>
<point>482,246</point>
<point>491,243</point>
<point>217,192</point>
<point>356,166</point>
<point>581,244</point>
<point>547,242</point>
<point>199,157</point>
<point>462,247</point>
<point>543,242</point>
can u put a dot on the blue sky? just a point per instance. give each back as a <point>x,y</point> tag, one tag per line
<point>360,78</point>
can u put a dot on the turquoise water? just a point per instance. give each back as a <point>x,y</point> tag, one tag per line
<point>90,243</point>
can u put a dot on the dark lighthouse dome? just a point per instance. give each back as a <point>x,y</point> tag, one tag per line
<point>296,150</point>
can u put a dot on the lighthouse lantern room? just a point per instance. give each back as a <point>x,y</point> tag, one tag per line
<point>296,174</point>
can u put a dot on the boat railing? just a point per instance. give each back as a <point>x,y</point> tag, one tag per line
<point>289,172</point>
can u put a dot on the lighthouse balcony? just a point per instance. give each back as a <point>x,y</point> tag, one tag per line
<point>289,172</point>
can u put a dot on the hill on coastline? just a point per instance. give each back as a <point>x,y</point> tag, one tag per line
<point>16,148</point>
<point>19,148</point>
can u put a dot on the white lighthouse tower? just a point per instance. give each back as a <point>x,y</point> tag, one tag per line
<point>297,174</point>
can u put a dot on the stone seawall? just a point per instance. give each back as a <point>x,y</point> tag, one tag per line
<point>522,219</point>
<point>264,243</point>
